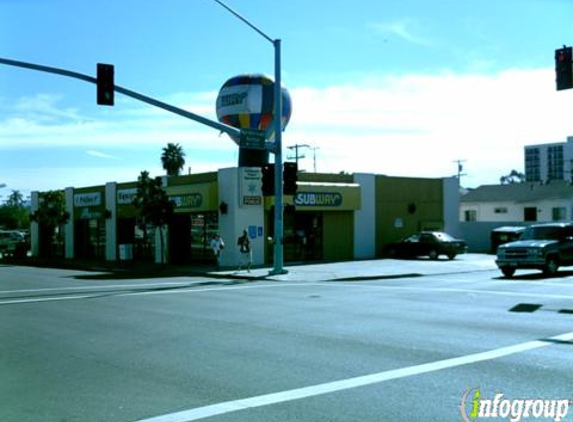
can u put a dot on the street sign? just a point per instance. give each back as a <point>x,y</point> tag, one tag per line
<point>252,139</point>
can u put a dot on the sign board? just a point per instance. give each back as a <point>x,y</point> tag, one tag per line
<point>126,196</point>
<point>87,199</point>
<point>252,139</point>
<point>318,199</point>
<point>250,186</point>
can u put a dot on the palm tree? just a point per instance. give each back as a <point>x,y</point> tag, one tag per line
<point>173,159</point>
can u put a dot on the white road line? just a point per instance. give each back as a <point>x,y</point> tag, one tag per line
<point>107,286</point>
<point>331,387</point>
<point>43,299</point>
<point>143,293</point>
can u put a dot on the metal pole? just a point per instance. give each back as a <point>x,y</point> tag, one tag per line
<point>279,224</point>
<point>63,72</point>
<point>279,221</point>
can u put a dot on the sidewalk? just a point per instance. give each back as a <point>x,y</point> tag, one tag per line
<point>337,271</point>
<point>365,270</point>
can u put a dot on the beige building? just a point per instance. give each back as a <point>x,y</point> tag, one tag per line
<point>332,217</point>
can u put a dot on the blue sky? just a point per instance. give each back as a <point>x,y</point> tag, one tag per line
<point>397,87</point>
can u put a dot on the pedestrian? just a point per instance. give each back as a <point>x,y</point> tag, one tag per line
<point>245,250</point>
<point>217,245</point>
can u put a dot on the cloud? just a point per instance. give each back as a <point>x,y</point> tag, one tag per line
<point>101,155</point>
<point>417,125</point>
<point>409,125</point>
<point>406,29</point>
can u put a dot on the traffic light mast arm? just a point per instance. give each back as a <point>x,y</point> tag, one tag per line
<point>156,103</point>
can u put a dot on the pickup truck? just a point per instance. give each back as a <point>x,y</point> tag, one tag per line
<point>544,247</point>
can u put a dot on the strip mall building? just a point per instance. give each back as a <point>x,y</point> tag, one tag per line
<point>332,217</point>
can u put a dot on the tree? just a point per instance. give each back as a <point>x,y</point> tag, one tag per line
<point>173,159</point>
<point>51,214</point>
<point>513,177</point>
<point>154,205</point>
<point>14,214</point>
<point>15,199</point>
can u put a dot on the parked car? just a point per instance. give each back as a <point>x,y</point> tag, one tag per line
<point>505,234</point>
<point>12,243</point>
<point>543,247</point>
<point>431,244</point>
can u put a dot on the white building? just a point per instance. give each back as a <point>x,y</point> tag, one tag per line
<point>546,162</point>
<point>519,202</point>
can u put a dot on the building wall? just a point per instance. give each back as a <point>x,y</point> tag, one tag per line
<point>365,218</point>
<point>405,206</point>
<point>548,163</point>
<point>478,234</point>
<point>338,240</point>
<point>492,211</point>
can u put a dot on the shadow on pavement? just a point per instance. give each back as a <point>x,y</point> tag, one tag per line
<point>537,276</point>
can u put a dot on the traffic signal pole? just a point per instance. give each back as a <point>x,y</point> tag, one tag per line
<point>140,97</point>
<point>277,148</point>
<point>279,205</point>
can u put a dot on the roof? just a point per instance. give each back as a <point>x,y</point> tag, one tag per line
<point>520,192</point>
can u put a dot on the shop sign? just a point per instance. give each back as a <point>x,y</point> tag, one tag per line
<point>126,196</point>
<point>250,186</point>
<point>87,199</point>
<point>87,214</point>
<point>194,200</point>
<point>318,199</point>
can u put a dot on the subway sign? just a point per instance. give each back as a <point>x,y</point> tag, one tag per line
<point>318,199</point>
<point>194,200</point>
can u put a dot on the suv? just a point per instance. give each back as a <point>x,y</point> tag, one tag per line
<point>541,246</point>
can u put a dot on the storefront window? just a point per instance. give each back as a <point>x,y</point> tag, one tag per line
<point>203,227</point>
<point>90,238</point>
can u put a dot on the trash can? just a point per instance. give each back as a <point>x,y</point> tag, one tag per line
<point>126,252</point>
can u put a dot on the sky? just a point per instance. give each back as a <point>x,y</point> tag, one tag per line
<point>395,87</point>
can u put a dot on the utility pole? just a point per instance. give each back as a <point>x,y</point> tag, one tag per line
<point>460,169</point>
<point>297,156</point>
<point>314,157</point>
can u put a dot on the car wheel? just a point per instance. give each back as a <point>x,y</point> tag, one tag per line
<point>451,256</point>
<point>433,254</point>
<point>508,271</point>
<point>551,266</point>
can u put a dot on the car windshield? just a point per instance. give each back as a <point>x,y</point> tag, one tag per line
<point>444,237</point>
<point>542,233</point>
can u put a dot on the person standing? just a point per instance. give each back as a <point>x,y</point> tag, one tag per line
<point>245,250</point>
<point>217,245</point>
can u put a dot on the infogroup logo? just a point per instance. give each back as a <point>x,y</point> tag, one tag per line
<point>474,407</point>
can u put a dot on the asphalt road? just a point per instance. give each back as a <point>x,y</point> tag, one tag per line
<point>80,347</point>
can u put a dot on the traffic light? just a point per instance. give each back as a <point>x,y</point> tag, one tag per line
<point>268,179</point>
<point>564,68</point>
<point>105,84</point>
<point>290,171</point>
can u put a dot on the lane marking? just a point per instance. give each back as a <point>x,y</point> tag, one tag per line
<point>346,384</point>
<point>141,293</point>
<point>44,299</point>
<point>107,286</point>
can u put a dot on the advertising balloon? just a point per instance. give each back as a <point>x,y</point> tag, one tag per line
<point>247,102</point>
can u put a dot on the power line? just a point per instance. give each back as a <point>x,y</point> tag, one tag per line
<point>296,148</point>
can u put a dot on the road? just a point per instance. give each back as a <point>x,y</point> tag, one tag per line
<point>84,347</point>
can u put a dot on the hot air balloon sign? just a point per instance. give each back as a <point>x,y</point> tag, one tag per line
<point>247,103</point>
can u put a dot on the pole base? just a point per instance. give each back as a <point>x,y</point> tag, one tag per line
<point>276,271</point>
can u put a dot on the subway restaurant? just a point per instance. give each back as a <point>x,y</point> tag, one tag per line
<point>332,217</point>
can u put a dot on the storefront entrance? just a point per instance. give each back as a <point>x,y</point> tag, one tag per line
<point>303,235</point>
<point>89,238</point>
<point>189,236</point>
